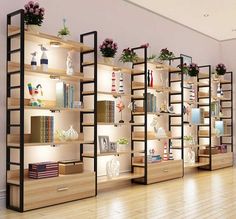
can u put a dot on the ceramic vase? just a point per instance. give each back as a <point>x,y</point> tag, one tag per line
<point>108,60</point>
<point>71,134</point>
<point>128,65</point>
<point>33,28</point>
<point>113,168</point>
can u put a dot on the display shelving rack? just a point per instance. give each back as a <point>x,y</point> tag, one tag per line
<point>22,193</point>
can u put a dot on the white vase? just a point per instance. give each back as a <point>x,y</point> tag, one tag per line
<point>33,28</point>
<point>128,65</point>
<point>113,168</point>
<point>109,60</point>
<point>71,134</point>
<point>64,37</point>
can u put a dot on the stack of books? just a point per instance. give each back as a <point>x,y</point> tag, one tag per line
<point>43,170</point>
<point>64,95</point>
<point>106,111</point>
<point>42,129</point>
<point>151,103</point>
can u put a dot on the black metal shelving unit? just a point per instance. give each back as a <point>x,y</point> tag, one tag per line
<point>84,65</point>
<point>204,82</point>
<point>9,163</point>
<point>180,97</point>
<point>145,139</point>
<point>19,165</point>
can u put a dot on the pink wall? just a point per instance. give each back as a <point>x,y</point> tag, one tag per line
<point>125,23</point>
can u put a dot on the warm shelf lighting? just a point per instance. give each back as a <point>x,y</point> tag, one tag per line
<point>55,44</point>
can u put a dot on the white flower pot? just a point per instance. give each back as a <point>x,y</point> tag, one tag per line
<point>128,65</point>
<point>109,60</point>
<point>33,28</point>
<point>64,37</point>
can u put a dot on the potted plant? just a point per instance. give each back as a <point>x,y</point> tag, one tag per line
<point>108,48</point>
<point>34,16</point>
<point>64,32</point>
<point>128,57</point>
<point>165,55</point>
<point>220,70</point>
<point>122,142</point>
<point>193,70</point>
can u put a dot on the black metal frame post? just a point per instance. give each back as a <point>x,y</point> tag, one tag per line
<point>9,163</point>
<point>170,82</point>
<point>208,105</point>
<point>144,73</point>
<point>94,82</point>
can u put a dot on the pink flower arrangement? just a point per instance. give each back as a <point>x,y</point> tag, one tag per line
<point>34,15</point>
<point>220,69</point>
<point>128,55</point>
<point>193,69</point>
<point>108,48</point>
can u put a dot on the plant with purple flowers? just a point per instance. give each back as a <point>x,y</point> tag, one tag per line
<point>128,55</point>
<point>108,48</point>
<point>34,15</point>
<point>165,54</point>
<point>193,69</point>
<point>220,69</point>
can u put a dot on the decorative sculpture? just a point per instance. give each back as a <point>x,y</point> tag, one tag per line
<point>132,106</point>
<point>113,85</point>
<point>120,105</point>
<point>34,92</point>
<point>69,63</point>
<point>165,155</point>
<point>121,84</point>
<point>113,168</point>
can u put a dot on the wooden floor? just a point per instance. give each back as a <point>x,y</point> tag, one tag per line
<point>202,195</point>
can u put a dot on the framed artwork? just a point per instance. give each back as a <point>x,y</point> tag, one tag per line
<point>187,59</point>
<point>113,147</point>
<point>104,144</point>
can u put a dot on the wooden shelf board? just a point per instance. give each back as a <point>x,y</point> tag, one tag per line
<point>196,146</point>
<point>221,98</point>
<point>121,177</point>
<point>46,39</point>
<point>57,143</point>
<point>193,165</point>
<point>156,113</point>
<point>155,138</point>
<point>50,73</point>
<point>15,180</point>
<point>115,94</point>
<point>90,154</point>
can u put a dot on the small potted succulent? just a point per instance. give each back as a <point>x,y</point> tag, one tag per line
<point>128,57</point>
<point>108,48</point>
<point>165,56</point>
<point>33,16</point>
<point>193,70</point>
<point>122,142</point>
<point>64,32</point>
<point>220,70</point>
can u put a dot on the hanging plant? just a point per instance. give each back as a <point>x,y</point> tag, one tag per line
<point>193,70</point>
<point>220,69</point>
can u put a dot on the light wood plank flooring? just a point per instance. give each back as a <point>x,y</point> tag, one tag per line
<point>200,195</point>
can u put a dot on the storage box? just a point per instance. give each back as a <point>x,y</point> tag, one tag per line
<point>70,167</point>
<point>43,170</point>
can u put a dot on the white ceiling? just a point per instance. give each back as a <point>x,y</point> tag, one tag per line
<point>219,23</point>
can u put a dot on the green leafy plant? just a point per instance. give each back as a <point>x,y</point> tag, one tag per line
<point>123,141</point>
<point>64,31</point>
<point>165,54</point>
<point>184,68</point>
<point>188,138</point>
<point>128,55</point>
<point>33,14</point>
<point>152,57</point>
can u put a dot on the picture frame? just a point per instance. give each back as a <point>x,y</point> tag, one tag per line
<point>186,59</point>
<point>113,147</point>
<point>104,144</point>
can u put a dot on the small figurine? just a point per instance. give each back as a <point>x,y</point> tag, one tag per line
<point>113,85</point>
<point>170,152</point>
<point>69,64</point>
<point>132,106</point>
<point>221,92</point>
<point>33,61</point>
<point>121,85</point>
<point>151,84</point>
<point>120,105</point>
<point>218,92</point>
<point>148,78</point>
<point>44,58</point>
<point>34,91</point>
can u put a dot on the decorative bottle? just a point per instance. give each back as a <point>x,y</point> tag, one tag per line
<point>165,156</point>
<point>148,78</point>
<point>171,153</point>
<point>221,92</point>
<point>151,79</point>
<point>44,58</point>
<point>113,85</point>
<point>33,61</point>
<point>218,92</point>
<point>121,84</point>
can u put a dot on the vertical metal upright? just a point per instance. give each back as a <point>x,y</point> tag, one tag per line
<point>93,82</point>
<point>145,139</point>
<point>180,102</point>
<point>9,125</point>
